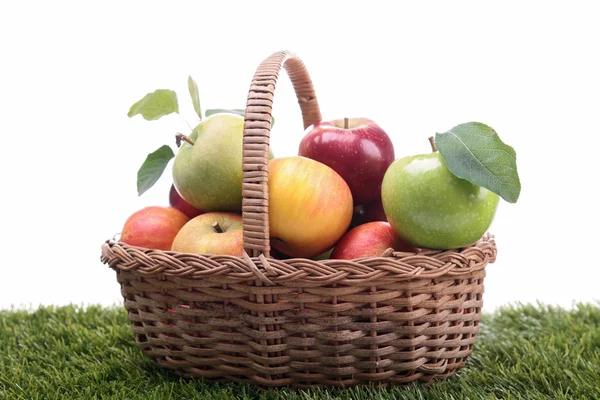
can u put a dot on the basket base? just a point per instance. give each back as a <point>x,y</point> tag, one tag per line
<point>340,336</point>
<point>304,382</point>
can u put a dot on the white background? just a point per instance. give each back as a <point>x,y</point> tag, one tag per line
<point>69,154</point>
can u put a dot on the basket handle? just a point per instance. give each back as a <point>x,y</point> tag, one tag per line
<point>257,128</point>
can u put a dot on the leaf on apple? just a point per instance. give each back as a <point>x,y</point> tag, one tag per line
<point>153,167</point>
<point>474,151</point>
<point>238,111</point>
<point>193,88</point>
<point>155,105</point>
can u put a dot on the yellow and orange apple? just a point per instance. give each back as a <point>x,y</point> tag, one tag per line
<point>211,233</point>
<point>310,206</point>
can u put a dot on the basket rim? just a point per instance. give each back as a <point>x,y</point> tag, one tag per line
<point>390,266</point>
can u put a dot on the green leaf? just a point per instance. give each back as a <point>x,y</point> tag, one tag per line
<point>234,111</point>
<point>154,105</point>
<point>193,88</point>
<point>152,169</point>
<point>474,151</point>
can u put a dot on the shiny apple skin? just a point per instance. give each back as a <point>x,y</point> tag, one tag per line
<point>361,154</point>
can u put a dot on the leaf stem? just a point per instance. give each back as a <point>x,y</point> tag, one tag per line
<point>432,142</point>
<point>345,123</point>
<point>180,136</point>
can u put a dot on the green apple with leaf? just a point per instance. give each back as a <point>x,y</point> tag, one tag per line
<point>448,198</point>
<point>207,171</point>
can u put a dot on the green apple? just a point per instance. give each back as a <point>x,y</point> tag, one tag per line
<point>323,256</point>
<point>430,207</point>
<point>208,173</point>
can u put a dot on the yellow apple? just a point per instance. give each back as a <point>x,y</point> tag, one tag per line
<point>211,233</point>
<point>310,206</point>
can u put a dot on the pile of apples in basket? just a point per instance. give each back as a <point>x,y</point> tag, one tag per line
<point>345,195</point>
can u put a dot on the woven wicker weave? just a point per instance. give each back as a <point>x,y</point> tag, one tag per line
<point>393,319</point>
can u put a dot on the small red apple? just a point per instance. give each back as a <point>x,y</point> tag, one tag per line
<point>211,233</point>
<point>356,148</point>
<point>153,227</point>
<point>369,240</point>
<point>176,201</point>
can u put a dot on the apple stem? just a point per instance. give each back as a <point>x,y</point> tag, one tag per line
<point>345,123</point>
<point>179,137</point>
<point>432,141</point>
<point>217,227</point>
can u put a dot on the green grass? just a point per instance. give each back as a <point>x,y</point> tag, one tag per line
<point>523,352</point>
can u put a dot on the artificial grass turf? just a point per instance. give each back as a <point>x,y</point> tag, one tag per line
<point>522,352</point>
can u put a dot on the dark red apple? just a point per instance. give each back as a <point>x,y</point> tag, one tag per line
<point>176,201</point>
<point>374,211</point>
<point>356,148</point>
<point>369,240</point>
<point>358,216</point>
<point>369,212</point>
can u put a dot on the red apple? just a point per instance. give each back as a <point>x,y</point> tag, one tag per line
<point>176,201</point>
<point>211,233</point>
<point>374,211</point>
<point>153,227</point>
<point>310,206</point>
<point>369,212</point>
<point>356,148</point>
<point>368,240</point>
<point>358,216</point>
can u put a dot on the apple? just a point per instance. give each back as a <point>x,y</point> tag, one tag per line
<point>370,239</point>
<point>368,213</point>
<point>153,227</point>
<point>430,207</point>
<point>208,173</point>
<point>211,233</point>
<point>323,256</point>
<point>310,206</point>
<point>356,148</point>
<point>374,211</point>
<point>357,216</point>
<point>280,256</point>
<point>176,201</point>
<point>276,254</point>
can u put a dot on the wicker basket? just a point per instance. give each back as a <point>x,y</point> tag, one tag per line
<point>394,319</point>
